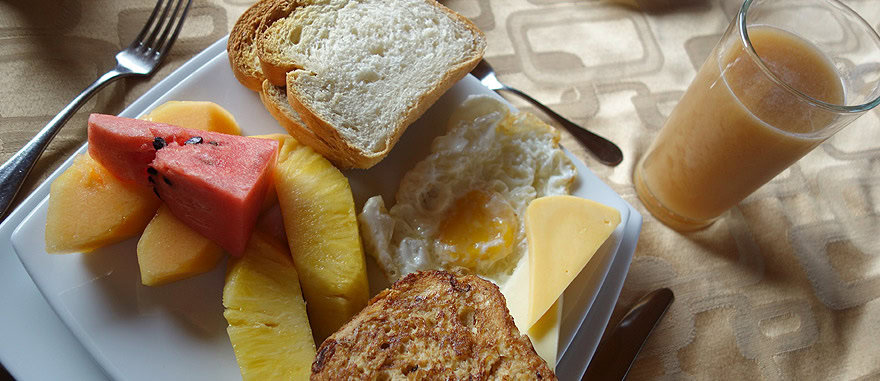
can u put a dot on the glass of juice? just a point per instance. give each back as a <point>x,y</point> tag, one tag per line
<point>786,75</point>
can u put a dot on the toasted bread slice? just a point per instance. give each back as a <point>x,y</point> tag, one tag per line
<point>275,100</point>
<point>431,325</point>
<point>242,48</point>
<point>360,72</point>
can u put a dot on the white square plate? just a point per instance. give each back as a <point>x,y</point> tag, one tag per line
<point>147,333</point>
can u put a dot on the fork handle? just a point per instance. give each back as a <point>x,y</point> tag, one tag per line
<point>15,170</point>
<point>603,149</point>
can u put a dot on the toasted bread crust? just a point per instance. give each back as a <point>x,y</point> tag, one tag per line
<point>275,69</point>
<point>431,325</point>
<point>275,100</point>
<point>242,44</point>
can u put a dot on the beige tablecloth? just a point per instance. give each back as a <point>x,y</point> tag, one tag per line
<point>785,286</point>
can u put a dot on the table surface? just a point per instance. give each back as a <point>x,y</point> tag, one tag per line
<point>785,286</point>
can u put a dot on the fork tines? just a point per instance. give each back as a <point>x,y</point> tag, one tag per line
<point>169,22</point>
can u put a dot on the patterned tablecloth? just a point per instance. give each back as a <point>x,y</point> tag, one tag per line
<point>785,286</point>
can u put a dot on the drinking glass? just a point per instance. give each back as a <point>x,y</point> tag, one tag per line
<point>786,75</point>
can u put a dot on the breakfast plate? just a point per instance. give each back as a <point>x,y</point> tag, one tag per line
<point>135,332</point>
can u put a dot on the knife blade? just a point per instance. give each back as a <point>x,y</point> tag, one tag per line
<point>615,355</point>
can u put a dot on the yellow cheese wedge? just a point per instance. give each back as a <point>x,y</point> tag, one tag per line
<point>563,234</point>
<point>545,333</point>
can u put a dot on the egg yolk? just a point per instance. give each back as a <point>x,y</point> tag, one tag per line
<point>478,230</point>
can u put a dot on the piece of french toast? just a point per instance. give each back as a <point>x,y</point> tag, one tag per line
<point>431,325</point>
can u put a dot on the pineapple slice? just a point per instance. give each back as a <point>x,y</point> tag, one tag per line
<point>268,325</point>
<point>90,208</point>
<point>169,250</point>
<point>322,232</point>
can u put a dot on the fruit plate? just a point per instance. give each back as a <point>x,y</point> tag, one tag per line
<point>135,332</point>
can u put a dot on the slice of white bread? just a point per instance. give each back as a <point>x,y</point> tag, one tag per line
<point>241,47</point>
<point>245,65</point>
<point>275,100</point>
<point>360,71</point>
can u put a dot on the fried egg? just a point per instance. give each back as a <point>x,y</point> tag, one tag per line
<point>462,206</point>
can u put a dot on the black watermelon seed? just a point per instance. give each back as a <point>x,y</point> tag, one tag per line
<point>166,180</point>
<point>150,179</point>
<point>214,143</point>
<point>194,140</point>
<point>152,171</point>
<point>157,193</point>
<point>159,143</point>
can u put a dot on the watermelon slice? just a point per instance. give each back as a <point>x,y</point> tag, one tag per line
<point>125,146</point>
<point>215,183</point>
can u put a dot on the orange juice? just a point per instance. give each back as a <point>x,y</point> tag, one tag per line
<point>735,128</point>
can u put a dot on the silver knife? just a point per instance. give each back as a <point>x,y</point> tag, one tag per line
<point>615,354</point>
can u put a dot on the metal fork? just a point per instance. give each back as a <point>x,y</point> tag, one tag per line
<point>603,149</point>
<point>140,58</point>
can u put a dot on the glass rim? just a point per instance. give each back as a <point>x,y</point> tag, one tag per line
<point>843,109</point>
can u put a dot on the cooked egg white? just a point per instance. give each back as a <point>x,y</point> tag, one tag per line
<point>462,205</point>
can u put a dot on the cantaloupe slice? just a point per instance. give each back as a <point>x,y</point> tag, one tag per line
<point>169,251</point>
<point>90,208</point>
<point>207,116</point>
